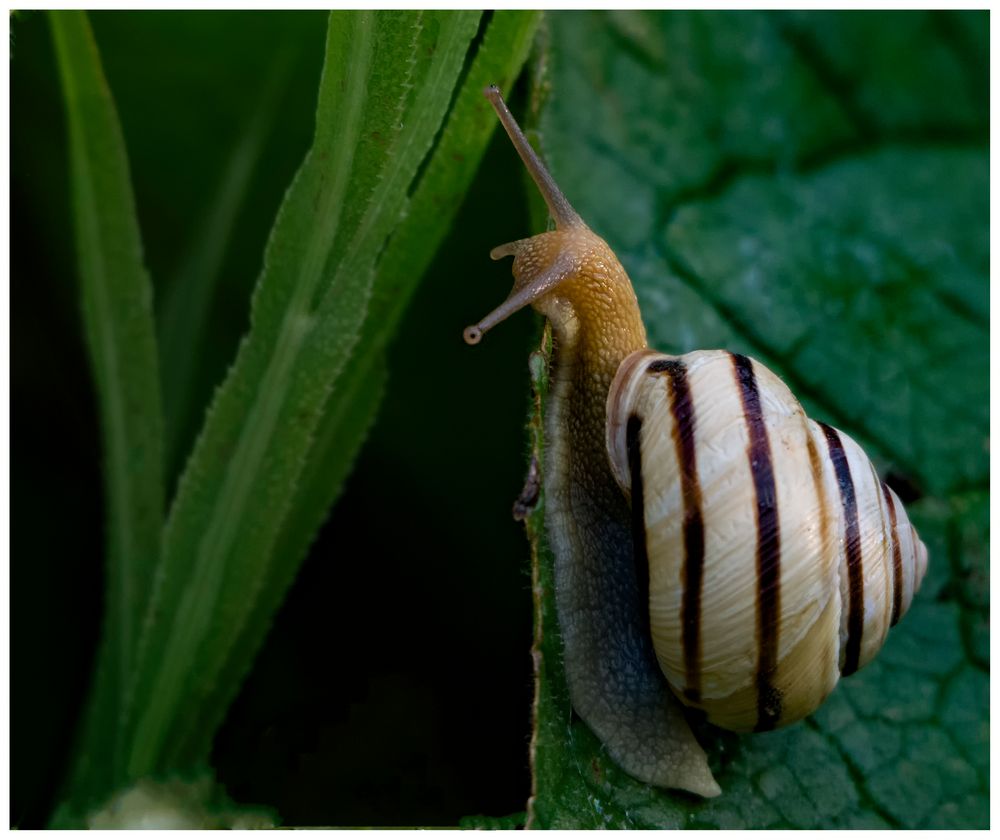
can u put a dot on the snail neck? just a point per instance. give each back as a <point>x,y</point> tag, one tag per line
<point>593,310</point>
<point>596,323</point>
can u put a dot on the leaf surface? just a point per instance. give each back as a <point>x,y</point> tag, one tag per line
<point>810,189</point>
<point>353,403</point>
<point>430,210</point>
<point>183,314</point>
<point>116,297</point>
<point>307,313</point>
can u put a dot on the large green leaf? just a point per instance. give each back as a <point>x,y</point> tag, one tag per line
<point>811,189</point>
<point>386,83</point>
<point>118,324</point>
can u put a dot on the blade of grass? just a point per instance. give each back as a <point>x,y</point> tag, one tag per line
<point>431,210</point>
<point>119,330</point>
<point>438,196</point>
<point>306,316</point>
<point>231,471</point>
<point>359,391</point>
<point>183,313</point>
<point>352,406</point>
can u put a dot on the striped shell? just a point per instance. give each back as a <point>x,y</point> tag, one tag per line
<point>777,558</point>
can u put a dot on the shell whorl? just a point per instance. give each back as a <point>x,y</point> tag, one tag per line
<point>777,559</point>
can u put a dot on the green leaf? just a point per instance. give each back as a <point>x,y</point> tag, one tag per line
<point>437,198</point>
<point>352,405</point>
<point>345,424</point>
<point>118,324</point>
<point>810,189</point>
<point>386,81</point>
<point>430,211</point>
<point>183,315</point>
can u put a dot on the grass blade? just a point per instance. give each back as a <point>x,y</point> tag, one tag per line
<point>352,406</point>
<point>236,478</point>
<point>456,158</point>
<point>359,391</point>
<point>310,303</point>
<point>183,313</point>
<point>431,210</point>
<point>120,337</point>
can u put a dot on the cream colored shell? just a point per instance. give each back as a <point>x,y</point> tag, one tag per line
<point>718,660</point>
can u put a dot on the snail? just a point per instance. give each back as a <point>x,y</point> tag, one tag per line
<point>772,558</point>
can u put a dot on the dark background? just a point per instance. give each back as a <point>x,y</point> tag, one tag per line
<point>395,686</point>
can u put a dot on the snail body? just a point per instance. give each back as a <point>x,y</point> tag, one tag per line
<point>714,547</point>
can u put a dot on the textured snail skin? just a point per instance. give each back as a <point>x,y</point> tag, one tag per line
<point>614,681</point>
<point>711,543</point>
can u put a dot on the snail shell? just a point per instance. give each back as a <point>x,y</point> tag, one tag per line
<point>777,558</point>
<point>712,545</point>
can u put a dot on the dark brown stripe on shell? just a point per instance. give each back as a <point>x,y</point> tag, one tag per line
<point>897,559</point>
<point>832,648</point>
<point>852,547</point>
<point>769,700</point>
<point>682,409</point>
<point>640,552</point>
